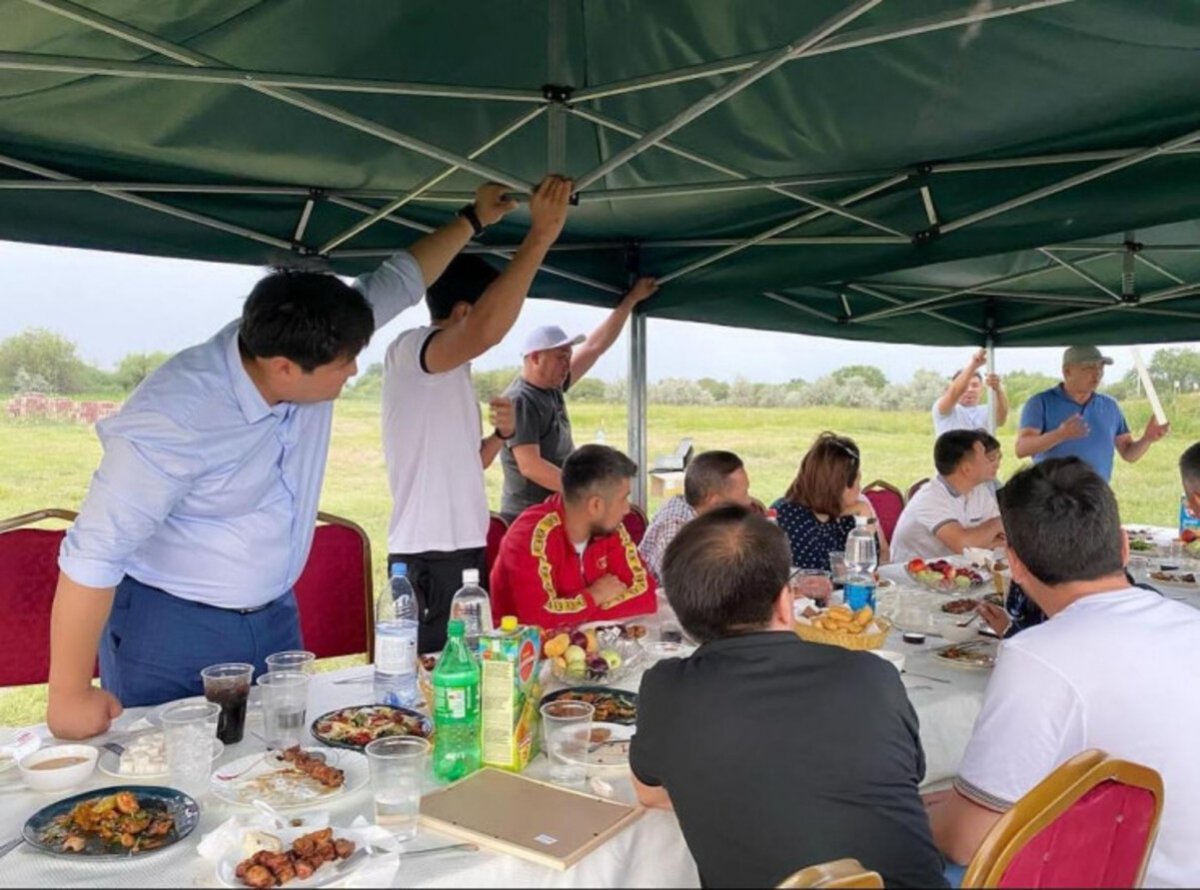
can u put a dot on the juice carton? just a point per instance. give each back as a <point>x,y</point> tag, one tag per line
<point>509,661</point>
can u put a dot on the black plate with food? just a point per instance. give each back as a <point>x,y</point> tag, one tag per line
<point>355,727</point>
<point>612,705</point>
<point>113,823</point>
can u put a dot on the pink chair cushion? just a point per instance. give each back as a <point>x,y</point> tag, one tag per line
<point>329,593</point>
<point>28,576</point>
<point>635,524</point>
<point>1099,842</point>
<point>887,506</point>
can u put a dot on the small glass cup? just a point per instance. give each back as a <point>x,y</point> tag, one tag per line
<point>189,730</point>
<point>228,685</point>
<point>811,583</point>
<point>397,767</point>
<point>284,706</point>
<point>292,660</point>
<point>837,567</point>
<point>567,734</point>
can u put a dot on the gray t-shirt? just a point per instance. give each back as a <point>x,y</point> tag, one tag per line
<point>541,419</point>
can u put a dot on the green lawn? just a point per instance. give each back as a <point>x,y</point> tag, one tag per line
<point>49,464</point>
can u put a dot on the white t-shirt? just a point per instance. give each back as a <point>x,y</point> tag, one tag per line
<point>1116,671</point>
<point>431,434</point>
<point>933,506</point>
<point>960,417</point>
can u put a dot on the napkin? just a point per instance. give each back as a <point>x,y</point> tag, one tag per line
<point>378,871</point>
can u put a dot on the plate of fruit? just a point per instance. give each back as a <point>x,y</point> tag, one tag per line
<point>945,577</point>
<point>600,655</point>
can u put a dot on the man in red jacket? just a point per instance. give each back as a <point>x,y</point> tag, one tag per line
<point>569,560</point>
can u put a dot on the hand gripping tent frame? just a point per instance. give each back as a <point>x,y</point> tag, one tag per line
<point>972,172</point>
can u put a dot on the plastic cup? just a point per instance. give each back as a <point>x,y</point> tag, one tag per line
<point>397,767</point>
<point>285,707</point>
<point>837,567</point>
<point>228,685</point>
<point>811,583</point>
<point>292,660</point>
<point>189,730</point>
<point>567,735</point>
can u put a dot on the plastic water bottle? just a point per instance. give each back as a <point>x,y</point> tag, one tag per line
<point>473,607</point>
<point>456,714</point>
<point>861,559</point>
<point>396,642</point>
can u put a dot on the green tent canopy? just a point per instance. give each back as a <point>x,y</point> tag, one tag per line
<point>919,171</point>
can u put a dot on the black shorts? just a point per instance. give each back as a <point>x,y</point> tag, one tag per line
<point>435,576</point>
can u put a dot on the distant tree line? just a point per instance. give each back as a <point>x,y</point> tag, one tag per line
<point>38,360</point>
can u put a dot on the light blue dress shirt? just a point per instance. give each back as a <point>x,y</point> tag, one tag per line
<point>205,490</point>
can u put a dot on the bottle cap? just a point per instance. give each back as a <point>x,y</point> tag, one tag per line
<point>861,520</point>
<point>399,569</point>
<point>470,576</point>
<point>454,627</point>
<point>508,623</point>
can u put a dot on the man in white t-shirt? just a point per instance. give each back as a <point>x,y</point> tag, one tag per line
<point>1114,667</point>
<point>958,407</point>
<point>433,439</point>
<point>957,508</point>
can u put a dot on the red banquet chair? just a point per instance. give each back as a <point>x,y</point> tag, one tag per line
<point>337,611</point>
<point>28,577</point>
<point>887,502</point>
<point>497,528</point>
<point>635,523</point>
<point>914,488</point>
<point>1090,823</point>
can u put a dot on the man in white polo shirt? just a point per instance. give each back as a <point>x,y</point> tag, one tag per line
<point>957,508</point>
<point>1113,667</point>
<point>958,408</point>
<point>433,439</point>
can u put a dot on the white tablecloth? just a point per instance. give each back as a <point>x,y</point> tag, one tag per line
<point>650,853</point>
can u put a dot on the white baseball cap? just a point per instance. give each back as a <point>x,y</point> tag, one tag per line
<point>549,336</point>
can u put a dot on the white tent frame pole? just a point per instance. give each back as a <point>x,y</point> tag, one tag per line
<point>361,226</point>
<point>89,67</point>
<point>918,305</point>
<point>302,223</point>
<point>782,227</point>
<point>314,106</point>
<point>1026,296</point>
<point>888,298</point>
<point>503,253</point>
<point>850,40</point>
<point>1150,264</point>
<point>1075,270</point>
<point>636,423</point>
<point>1179,292</point>
<point>990,346</point>
<point>796,304</point>
<point>1070,182</point>
<point>1153,248</point>
<point>1051,160</point>
<point>738,84</point>
<point>156,206</point>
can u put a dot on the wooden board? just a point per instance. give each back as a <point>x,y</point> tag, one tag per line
<point>523,817</point>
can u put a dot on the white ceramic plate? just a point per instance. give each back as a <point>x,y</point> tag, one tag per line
<point>325,875</point>
<point>110,764</point>
<point>612,753</point>
<point>283,787</point>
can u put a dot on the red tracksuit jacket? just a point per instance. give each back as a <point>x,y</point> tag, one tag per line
<point>539,577</point>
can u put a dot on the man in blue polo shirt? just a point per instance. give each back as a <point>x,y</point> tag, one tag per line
<point>1072,419</point>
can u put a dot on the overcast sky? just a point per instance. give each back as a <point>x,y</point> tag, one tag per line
<point>111,304</point>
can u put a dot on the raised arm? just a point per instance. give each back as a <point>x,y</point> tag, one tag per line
<point>493,316</point>
<point>1001,398</point>
<point>599,340</point>
<point>959,384</point>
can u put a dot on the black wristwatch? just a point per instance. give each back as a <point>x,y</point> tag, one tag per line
<point>468,213</point>
<point>496,433</point>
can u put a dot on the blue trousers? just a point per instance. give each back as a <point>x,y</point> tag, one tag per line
<point>155,645</point>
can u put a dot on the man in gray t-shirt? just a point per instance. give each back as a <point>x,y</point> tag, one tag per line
<point>532,458</point>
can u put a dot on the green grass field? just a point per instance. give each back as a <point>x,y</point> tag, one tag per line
<point>48,464</point>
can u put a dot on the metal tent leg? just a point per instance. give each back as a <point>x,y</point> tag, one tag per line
<point>638,450</point>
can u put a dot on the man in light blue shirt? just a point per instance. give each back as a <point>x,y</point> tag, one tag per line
<point>200,517</point>
<point>1073,420</point>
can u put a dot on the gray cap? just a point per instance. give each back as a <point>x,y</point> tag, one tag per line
<point>1084,355</point>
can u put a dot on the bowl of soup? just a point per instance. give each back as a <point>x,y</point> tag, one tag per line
<point>58,768</point>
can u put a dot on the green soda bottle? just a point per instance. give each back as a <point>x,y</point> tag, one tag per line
<point>456,718</point>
